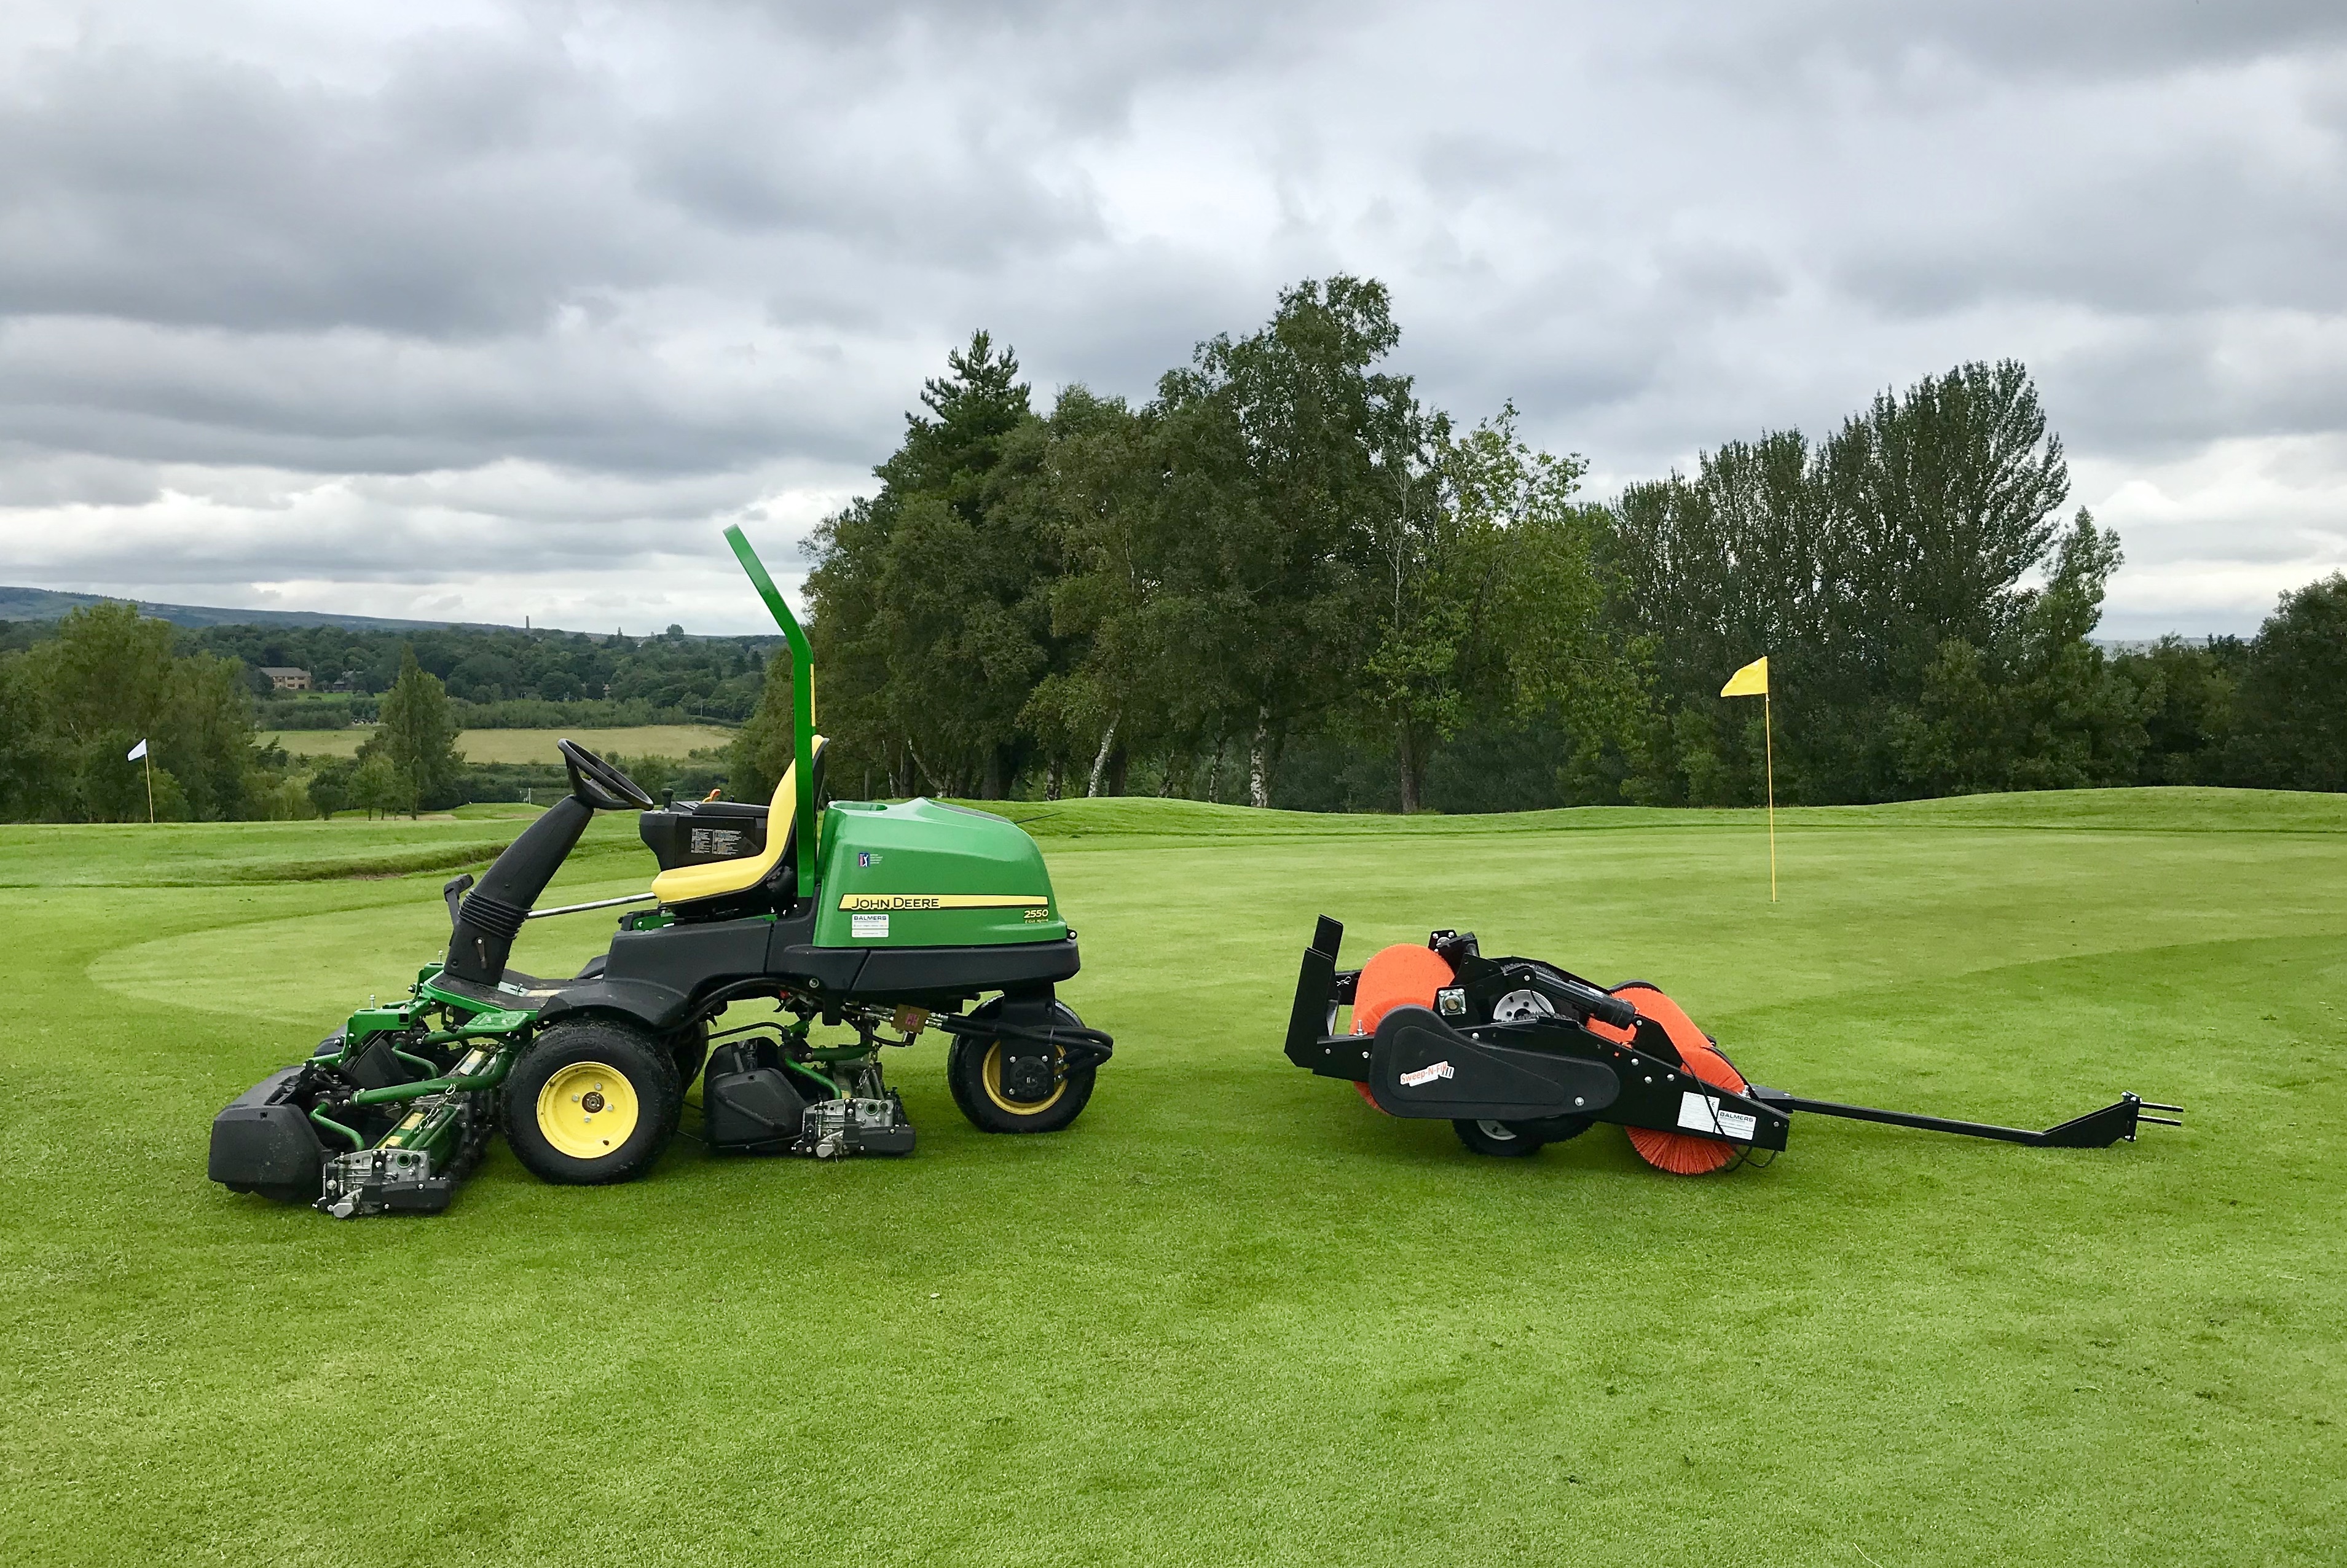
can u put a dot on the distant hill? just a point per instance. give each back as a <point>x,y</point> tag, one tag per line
<point>48,604</point>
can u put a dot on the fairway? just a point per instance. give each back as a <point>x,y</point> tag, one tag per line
<point>524,746</point>
<point>1233,1315</point>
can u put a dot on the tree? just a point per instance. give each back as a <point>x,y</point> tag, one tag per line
<point>376,786</point>
<point>762,749</point>
<point>1267,449</point>
<point>25,764</point>
<point>2188,697</point>
<point>418,740</point>
<point>1703,574</point>
<point>1115,675</point>
<point>1942,500</point>
<point>1488,610</point>
<point>330,786</point>
<point>930,601</point>
<point>208,739</point>
<point>1854,566</point>
<point>2294,693</point>
<point>108,680</point>
<point>2040,707</point>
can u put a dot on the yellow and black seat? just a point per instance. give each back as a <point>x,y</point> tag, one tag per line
<point>694,886</point>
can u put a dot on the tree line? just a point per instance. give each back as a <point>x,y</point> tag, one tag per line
<point>1285,580</point>
<point>659,676</point>
<point>75,703</point>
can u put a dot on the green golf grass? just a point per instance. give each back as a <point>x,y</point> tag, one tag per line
<point>1234,1316</point>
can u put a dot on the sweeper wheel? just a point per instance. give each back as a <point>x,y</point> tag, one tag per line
<point>1506,1140</point>
<point>1683,1153</point>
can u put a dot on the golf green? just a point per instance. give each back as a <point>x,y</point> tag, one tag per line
<point>1234,1316</point>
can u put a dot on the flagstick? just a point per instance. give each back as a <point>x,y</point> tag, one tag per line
<point>146,764</point>
<point>1769,739</point>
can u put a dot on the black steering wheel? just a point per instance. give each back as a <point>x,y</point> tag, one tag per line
<point>601,784</point>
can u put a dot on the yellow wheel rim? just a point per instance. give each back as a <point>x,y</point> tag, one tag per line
<point>587,1110</point>
<point>990,1074</point>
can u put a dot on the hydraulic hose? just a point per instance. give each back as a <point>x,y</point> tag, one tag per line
<point>829,1087</point>
<point>1085,1047</point>
<point>322,1120</point>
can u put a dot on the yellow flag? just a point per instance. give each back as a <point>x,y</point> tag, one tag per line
<point>1752,681</point>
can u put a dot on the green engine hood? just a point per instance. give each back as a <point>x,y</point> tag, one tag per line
<point>922,875</point>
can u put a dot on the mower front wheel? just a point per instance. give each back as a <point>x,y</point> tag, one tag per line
<point>592,1103</point>
<point>974,1073</point>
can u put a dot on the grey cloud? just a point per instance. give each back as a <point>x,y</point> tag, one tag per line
<point>2173,386</point>
<point>1784,45</point>
<point>197,191</point>
<point>554,280</point>
<point>33,475</point>
<point>2185,230</point>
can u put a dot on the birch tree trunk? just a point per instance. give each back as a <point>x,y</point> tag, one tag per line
<point>1100,763</point>
<point>926,773</point>
<point>1259,760</point>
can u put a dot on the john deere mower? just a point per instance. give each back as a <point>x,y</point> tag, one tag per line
<point>1515,1054</point>
<point>870,921</point>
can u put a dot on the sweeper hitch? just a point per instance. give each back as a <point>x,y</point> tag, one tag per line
<point>1515,1053</point>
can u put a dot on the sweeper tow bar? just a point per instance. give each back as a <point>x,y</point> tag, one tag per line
<point>1516,1054</point>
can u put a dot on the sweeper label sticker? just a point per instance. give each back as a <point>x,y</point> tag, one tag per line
<point>1428,1075</point>
<point>868,925</point>
<point>1703,1114</point>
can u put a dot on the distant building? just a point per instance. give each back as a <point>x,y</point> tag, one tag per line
<point>286,680</point>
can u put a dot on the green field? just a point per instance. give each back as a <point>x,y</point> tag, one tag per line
<point>1234,1316</point>
<point>524,746</point>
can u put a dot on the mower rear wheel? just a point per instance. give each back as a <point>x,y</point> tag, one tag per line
<point>1508,1140</point>
<point>592,1103</point>
<point>974,1073</point>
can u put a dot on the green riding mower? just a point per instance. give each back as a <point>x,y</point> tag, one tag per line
<point>875,922</point>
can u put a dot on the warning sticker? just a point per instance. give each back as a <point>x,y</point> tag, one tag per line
<point>863,926</point>
<point>1428,1075</point>
<point>1702,1112</point>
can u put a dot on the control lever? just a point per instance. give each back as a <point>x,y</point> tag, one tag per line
<point>453,890</point>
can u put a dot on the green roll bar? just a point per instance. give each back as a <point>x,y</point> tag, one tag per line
<point>802,700</point>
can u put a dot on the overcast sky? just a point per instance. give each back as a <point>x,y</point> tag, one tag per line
<point>485,310</point>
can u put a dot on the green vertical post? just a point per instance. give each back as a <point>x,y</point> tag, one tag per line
<point>802,700</point>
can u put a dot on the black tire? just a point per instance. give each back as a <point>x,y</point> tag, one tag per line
<point>1505,1140</point>
<point>974,1073</point>
<point>1556,1129</point>
<point>612,1065</point>
<point>276,1192</point>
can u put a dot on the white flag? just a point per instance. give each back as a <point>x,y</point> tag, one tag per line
<point>136,752</point>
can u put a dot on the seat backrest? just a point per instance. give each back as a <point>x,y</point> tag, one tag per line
<point>691,884</point>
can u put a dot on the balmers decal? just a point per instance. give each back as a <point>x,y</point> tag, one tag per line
<point>852,902</point>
